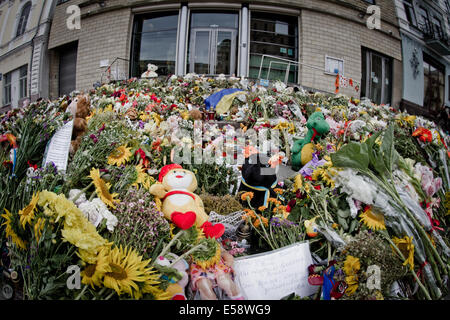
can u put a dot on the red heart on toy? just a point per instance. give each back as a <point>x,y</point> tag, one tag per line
<point>183,220</point>
<point>213,231</point>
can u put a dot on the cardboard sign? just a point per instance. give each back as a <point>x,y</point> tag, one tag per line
<point>57,150</point>
<point>275,274</point>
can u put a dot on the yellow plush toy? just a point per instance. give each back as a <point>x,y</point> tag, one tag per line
<point>180,204</point>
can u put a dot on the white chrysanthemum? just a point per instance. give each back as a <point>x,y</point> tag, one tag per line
<point>73,193</point>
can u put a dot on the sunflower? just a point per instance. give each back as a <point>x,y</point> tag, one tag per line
<point>351,268</point>
<point>406,247</point>
<point>102,189</point>
<point>93,273</point>
<point>128,270</point>
<point>38,227</point>
<point>247,196</point>
<point>27,213</point>
<point>10,232</point>
<point>372,219</point>
<point>119,156</point>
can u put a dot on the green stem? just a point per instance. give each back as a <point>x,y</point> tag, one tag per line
<point>82,191</point>
<point>197,247</point>
<point>167,248</point>
<point>82,292</point>
<point>110,295</point>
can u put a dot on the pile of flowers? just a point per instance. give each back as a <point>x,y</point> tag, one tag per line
<point>376,191</point>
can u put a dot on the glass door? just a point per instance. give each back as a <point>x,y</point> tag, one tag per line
<point>212,51</point>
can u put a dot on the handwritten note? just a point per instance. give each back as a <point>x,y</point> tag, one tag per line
<point>57,150</point>
<point>275,274</point>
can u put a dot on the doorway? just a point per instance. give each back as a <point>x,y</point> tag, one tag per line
<point>212,45</point>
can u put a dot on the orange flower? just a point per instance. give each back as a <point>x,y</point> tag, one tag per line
<point>279,209</point>
<point>262,208</point>
<point>278,190</point>
<point>248,214</point>
<point>273,200</point>
<point>257,222</point>
<point>249,150</point>
<point>423,134</point>
<point>247,195</point>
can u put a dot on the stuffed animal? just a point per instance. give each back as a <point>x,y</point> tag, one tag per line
<point>214,272</point>
<point>80,107</point>
<point>258,178</point>
<point>180,205</point>
<point>304,148</point>
<point>150,73</point>
<point>177,277</point>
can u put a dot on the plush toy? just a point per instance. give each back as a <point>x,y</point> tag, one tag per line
<point>304,148</point>
<point>175,274</point>
<point>180,205</point>
<point>213,270</point>
<point>80,107</point>
<point>150,73</point>
<point>259,178</point>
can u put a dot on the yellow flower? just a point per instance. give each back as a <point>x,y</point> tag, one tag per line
<point>38,227</point>
<point>351,265</point>
<point>102,189</point>
<point>351,268</point>
<point>298,182</point>
<point>128,270</point>
<point>119,156</point>
<point>93,273</point>
<point>372,219</point>
<point>22,244</point>
<point>27,213</point>
<point>406,247</point>
<point>247,195</point>
<point>143,178</point>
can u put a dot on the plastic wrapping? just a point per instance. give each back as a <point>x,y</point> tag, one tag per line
<point>331,236</point>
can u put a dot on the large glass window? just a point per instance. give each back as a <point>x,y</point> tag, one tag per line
<point>275,36</point>
<point>434,84</point>
<point>23,19</point>
<point>376,82</point>
<point>155,42</point>
<point>7,89</point>
<point>213,43</point>
<point>23,75</point>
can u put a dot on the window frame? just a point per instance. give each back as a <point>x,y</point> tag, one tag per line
<point>23,82</point>
<point>7,87</point>
<point>134,54</point>
<point>408,4</point>
<point>367,55</point>
<point>23,19</point>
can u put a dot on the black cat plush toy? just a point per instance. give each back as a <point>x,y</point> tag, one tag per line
<point>260,178</point>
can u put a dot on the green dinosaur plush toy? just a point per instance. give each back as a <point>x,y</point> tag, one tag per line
<point>303,149</point>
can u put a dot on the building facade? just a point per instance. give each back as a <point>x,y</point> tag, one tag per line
<point>424,29</point>
<point>307,42</point>
<point>24,66</point>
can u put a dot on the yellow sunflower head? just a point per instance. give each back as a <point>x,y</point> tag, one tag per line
<point>127,271</point>
<point>10,233</point>
<point>119,156</point>
<point>102,189</point>
<point>351,265</point>
<point>373,219</point>
<point>406,247</point>
<point>93,273</point>
<point>27,213</point>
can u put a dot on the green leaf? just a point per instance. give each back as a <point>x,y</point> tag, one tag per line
<point>375,158</point>
<point>353,155</point>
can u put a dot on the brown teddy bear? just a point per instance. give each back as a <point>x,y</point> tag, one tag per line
<point>80,107</point>
<point>179,202</point>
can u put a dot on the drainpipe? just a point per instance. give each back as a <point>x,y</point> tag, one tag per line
<point>32,45</point>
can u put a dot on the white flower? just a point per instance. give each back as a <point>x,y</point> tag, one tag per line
<point>73,193</point>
